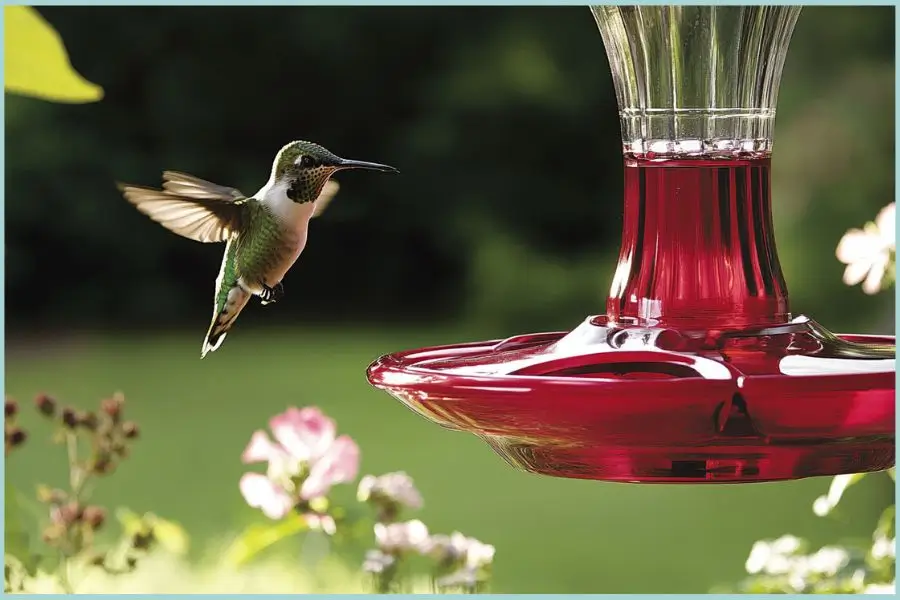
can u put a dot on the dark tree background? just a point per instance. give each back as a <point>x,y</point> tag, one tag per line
<point>502,120</point>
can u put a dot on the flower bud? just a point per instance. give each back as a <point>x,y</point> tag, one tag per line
<point>70,513</point>
<point>69,418</point>
<point>102,464</point>
<point>15,436</point>
<point>88,420</point>
<point>10,408</point>
<point>45,405</point>
<point>50,496</point>
<point>52,534</point>
<point>130,430</point>
<point>94,516</point>
<point>120,450</point>
<point>113,406</point>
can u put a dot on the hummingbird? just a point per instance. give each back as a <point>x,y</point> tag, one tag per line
<point>264,234</point>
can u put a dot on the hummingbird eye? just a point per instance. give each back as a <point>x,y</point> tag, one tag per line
<point>307,161</point>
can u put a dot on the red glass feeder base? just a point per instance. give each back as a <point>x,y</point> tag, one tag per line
<point>696,373</point>
<point>635,403</point>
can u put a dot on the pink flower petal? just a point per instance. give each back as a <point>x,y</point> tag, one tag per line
<point>305,433</point>
<point>261,449</point>
<point>339,465</point>
<point>260,492</point>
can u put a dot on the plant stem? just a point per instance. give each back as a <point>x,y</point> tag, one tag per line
<point>77,479</point>
<point>77,476</point>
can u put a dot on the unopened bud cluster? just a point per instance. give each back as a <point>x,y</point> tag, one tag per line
<point>13,435</point>
<point>96,442</point>
<point>71,522</point>
<point>110,435</point>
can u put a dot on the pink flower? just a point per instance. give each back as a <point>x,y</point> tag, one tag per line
<point>305,433</point>
<point>339,464</point>
<point>261,492</point>
<point>304,462</point>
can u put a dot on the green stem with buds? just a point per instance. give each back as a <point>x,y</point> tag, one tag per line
<point>78,477</point>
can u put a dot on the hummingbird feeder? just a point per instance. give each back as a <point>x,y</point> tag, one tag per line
<point>697,372</point>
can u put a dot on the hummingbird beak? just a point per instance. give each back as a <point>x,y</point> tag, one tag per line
<point>361,164</point>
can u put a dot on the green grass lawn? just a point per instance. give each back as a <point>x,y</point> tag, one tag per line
<point>552,535</point>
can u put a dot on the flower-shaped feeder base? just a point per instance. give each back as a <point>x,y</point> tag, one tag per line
<point>636,403</point>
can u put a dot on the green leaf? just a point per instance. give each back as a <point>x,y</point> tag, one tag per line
<point>16,535</point>
<point>824,505</point>
<point>886,523</point>
<point>257,538</point>
<point>36,62</point>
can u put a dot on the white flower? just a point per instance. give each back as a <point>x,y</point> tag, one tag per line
<point>884,548</point>
<point>828,560</point>
<point>881,588</point>
<point>786,544</point>
<point>377,562</point>
<point>395,488</point>
<point>772,557</point>
<point>867,252</point>
<point>400,537</point>
<point>759,557</point>
<point>465,578</point>
<point>479,555</point>
<point>457,548</point>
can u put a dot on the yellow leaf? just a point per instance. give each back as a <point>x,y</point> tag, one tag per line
<point>130,521</point>
<point>36,62</point>
<point>170,535</point>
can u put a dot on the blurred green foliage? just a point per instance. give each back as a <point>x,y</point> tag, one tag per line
<point>502,121</point>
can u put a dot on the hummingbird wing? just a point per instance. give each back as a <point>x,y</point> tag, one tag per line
<point>191,207</point>
<point>183,184</point>
<point>325,196</point>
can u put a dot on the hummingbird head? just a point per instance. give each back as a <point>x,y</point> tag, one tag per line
<point>305,167</point>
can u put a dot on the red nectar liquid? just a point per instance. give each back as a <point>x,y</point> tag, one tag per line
<point>698,248</point>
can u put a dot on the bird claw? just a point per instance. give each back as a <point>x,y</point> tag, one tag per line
<point>271,294</point>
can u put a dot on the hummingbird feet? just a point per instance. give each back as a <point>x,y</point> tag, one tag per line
<point>270,295</point>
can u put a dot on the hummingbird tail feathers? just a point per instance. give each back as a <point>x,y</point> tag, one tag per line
<point>222,321</point>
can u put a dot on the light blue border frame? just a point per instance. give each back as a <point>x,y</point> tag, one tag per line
<point>403,3</point>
